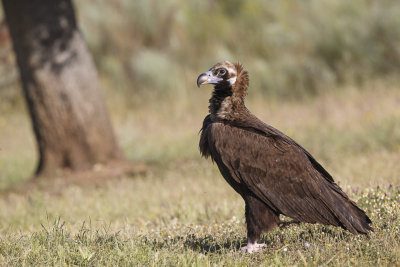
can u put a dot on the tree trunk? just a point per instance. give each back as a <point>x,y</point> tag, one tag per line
<point>61,87</point>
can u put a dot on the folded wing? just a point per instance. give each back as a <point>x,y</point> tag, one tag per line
<point>283,175</point>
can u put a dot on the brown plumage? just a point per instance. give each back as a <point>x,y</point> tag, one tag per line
<point>272,173</point>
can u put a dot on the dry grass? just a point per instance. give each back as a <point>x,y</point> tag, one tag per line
<point>182,212</point>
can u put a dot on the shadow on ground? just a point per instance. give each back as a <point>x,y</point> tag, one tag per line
<point>209,244</point>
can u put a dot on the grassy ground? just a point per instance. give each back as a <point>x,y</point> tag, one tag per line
<point>182,212</point>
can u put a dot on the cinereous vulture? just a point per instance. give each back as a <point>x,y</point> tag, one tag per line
<point>273,174</point>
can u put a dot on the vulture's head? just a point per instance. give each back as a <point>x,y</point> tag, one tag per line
<point>226,76</point>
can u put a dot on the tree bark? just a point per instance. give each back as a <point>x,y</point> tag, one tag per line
<point>61,87</point>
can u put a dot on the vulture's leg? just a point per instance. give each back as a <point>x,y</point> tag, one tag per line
<point>259,218</point>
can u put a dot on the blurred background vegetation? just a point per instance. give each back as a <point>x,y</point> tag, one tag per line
<point>293,49</point>
<point>149,54</point>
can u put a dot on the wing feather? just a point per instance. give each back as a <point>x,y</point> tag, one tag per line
<point>283,175</point>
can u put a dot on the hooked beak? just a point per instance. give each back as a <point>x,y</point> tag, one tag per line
<point>207,77</point>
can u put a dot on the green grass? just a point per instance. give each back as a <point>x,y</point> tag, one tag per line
<point>182,212</point>
<point>179,221</point>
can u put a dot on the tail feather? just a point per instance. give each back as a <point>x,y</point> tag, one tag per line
<point>350,217</point>
<point>359,222</point>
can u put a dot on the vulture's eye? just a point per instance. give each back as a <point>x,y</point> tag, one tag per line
<point>221,72</point>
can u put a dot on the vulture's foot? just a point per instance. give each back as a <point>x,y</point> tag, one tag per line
<point>253,247</point>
